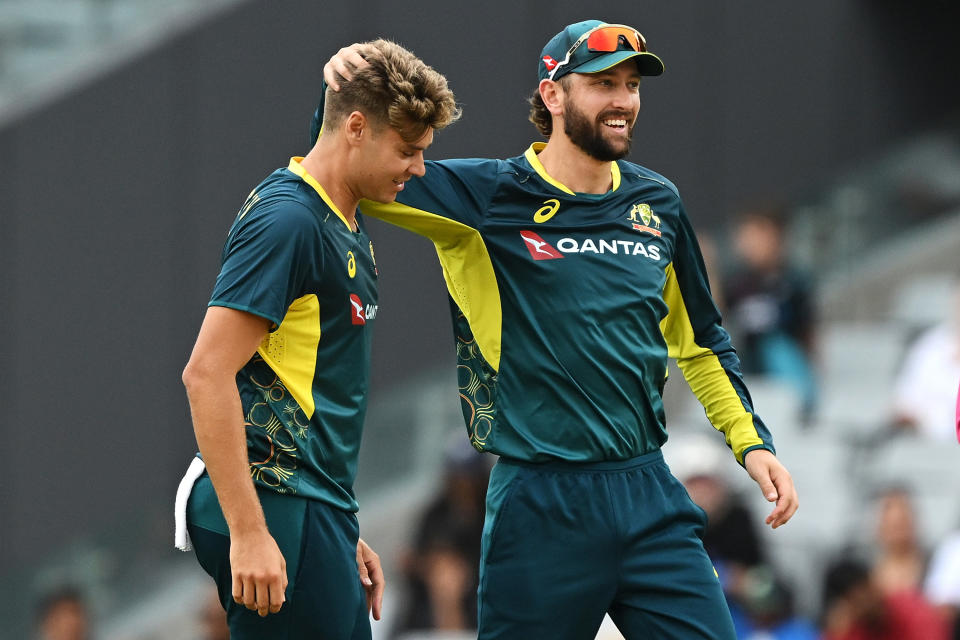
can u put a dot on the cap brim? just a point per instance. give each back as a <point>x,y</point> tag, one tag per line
<point>648,63</point>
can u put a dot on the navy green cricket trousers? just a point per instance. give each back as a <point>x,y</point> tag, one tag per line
<point>324,599</point>
<point>565,543</point>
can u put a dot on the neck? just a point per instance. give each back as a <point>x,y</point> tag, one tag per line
<point>570,165</point>
<point>327,163</point>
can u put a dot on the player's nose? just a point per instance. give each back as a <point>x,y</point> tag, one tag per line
<point>417,167</point>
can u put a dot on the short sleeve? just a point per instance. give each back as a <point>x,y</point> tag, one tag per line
<point>271,256</point>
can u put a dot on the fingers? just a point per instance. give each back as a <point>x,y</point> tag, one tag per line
<point>775,483</point>
<point>277,596</point>
<point>371,575</point>
<point>787,504</point>
<point>342,64</point>
<point>375,600</point>
<point>330,76</point>
<point>261,589</point>
<point>263,595</point>
<point>377,583</point>
<point>769,490</point>
<point>237,589</point>
<point>362,566</point>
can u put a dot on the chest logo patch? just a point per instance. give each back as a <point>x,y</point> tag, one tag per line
<point>547,211</point>
<point>643,218</point>
<point>357,315</point>
<point>351,264</point>
<point>539,248</point>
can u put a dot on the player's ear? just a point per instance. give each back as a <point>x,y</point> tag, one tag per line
<point>354,126</point>
<point>552,95</point>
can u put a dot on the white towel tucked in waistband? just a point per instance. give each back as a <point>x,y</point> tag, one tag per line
<point>180,537</point>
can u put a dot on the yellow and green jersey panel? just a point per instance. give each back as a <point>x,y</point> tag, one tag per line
<point>291,257</point>
<point>566,306</point>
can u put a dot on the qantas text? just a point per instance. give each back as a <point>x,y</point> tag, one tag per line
<point>624,247</point>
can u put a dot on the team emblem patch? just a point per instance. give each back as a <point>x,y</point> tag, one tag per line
<point>643,218</point>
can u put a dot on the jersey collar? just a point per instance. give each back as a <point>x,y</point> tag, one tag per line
<point>297,168</point>
<point>531,155</point>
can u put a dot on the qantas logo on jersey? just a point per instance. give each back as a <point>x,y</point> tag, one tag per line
<point>540,249</point>
<point>360,314</point>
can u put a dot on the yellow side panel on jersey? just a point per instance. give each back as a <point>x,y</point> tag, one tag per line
<point>467,269</point>
<point>291,350</point>
<point>704,373</point>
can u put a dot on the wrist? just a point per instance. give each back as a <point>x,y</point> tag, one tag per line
<point>249,527</point>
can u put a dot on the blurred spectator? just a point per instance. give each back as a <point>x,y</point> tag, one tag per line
<point>63,615</point>
<point>942,586</point>
<point>770,305</point>
<point>854,608</point>
<point>213,618</point>
<point>731,538</point>
<point>441,570</point>
<point>761,602</point>
<point>901,562</point>
<point>925,392</point>
<point>766,609</point>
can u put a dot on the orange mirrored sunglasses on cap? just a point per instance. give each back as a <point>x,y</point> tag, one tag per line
<point>605,38</point>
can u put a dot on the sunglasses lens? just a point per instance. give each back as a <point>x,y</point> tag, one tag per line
<point>609,39</point>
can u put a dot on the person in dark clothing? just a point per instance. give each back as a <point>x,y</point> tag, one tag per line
<point>441,569</point>
<point>770,305</point>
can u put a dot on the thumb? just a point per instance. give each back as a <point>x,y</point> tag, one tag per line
<point>769,490</point>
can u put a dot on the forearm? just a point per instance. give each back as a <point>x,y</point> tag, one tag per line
<point>218,426</point>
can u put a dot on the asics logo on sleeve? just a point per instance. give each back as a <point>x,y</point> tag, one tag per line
<point>538,247</point>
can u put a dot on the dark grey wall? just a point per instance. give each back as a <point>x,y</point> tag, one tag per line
<point>116,199</point>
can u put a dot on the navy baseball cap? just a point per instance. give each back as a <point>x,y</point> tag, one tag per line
<point>591,46</point>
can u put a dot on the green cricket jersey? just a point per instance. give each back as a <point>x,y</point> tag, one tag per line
<point>292,258</point>
<point>566,306</point>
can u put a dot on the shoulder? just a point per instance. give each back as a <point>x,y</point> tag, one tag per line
<point>468,169</point>
<point>632,174</point>
<point>282,203</point>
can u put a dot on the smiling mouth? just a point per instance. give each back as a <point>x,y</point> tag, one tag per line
<point>618,124</point>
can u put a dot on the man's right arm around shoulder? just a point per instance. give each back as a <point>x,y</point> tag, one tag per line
<point>228,339</point>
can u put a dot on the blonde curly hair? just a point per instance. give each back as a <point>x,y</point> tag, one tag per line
<point>395,89</point>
